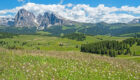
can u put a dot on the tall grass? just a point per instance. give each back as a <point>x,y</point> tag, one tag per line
<point>57,65</point>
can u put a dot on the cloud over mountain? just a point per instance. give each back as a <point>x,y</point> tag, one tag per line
<point>82,12</point>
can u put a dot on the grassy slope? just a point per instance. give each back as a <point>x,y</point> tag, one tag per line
<point>52,43</point>
<point>130,34</point>
<point>56,65</point>
<point>134,58</point>
<point>136,49</point>
<point>59,63</point>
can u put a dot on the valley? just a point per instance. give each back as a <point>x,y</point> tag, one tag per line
<point>42,57</point>
<point>43,45</point>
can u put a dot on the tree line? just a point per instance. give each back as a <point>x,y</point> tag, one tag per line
<point>6,35</point>
<point>10,44</point>
<point>19,30</point>
<point>111,48</point>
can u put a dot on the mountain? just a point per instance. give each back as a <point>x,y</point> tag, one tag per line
<point>25,19</point>
<point>51,19</point>
<point>48,19</point>
<point>135,21</point>
<point>57,25</point>
<point>7,21</point>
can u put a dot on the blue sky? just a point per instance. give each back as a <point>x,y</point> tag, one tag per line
<point>117,3</point>
<point>110,11</point>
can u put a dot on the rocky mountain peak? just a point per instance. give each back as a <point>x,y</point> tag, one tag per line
<point>25,18</point>
<point>49,19</point>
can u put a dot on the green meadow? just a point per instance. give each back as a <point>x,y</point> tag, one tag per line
<point>44,57</point>
<point>42,41</point>
<point>58,65</point>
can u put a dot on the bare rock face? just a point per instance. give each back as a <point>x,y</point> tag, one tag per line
<point>25,19</point>
<point>48,19</point>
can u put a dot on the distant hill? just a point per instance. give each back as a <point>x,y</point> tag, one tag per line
<point>95,29</point>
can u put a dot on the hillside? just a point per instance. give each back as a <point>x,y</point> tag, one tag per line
<point>41,56</point>
<point>41,41</point>
<point>36,65</point>
<point>70,40</point>
<point>95,29</point>
<point>117,29</point>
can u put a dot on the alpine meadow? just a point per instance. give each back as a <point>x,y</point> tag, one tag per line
<point>70,40</point>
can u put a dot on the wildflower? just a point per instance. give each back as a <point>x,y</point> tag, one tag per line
<point>109,73</point>
<point>42,75</point>
<point>23,67</point>
<point>27,70</point>
<point>95,70</point>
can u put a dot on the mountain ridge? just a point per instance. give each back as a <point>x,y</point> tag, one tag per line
<point>57,25</point>
<point>25,18</point>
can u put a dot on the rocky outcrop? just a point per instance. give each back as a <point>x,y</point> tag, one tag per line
<point>25,19</point>
<point>49,19</point>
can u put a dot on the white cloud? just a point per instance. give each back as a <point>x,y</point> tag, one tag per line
<point>6,16</point>
<point>82,12</point>
<point>135,10</point>
<point>69,5</point>
<point>114,18</point>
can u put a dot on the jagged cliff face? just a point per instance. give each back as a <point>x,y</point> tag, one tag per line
<point>25,19</point>
<point>48,19</point>
<point>28,19</point>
